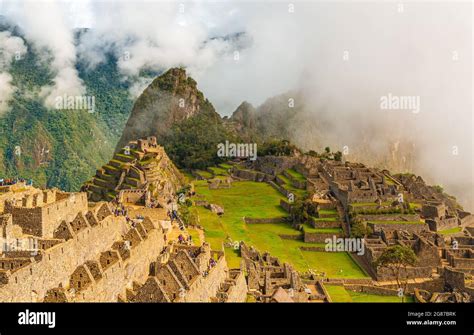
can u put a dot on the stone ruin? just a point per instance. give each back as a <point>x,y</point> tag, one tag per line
<point>191,274</point>
<point>143,165</point>
<point>271,281</point>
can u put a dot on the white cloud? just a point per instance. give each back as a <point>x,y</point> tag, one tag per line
<point>11,48</point>
<point>44,23</point>
<point>6,91</point>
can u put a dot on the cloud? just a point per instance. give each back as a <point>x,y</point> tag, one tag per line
<point>45,25</point>
<point>11,47</point>
<point>6,91</point>
<point>254,50</point>
<point>151,35</point>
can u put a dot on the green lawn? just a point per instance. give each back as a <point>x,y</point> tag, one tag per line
<point>332,212</point>
<point>219,171</point>
<point>326,219</point>
<point>296,175</point>
<point>204,174</point>
<point>310,229</point>
<point>225,166</point>
<point>260,200</point>
<point>450,231</point>
<point>299,193</point>
<point>340,294</point>
<point>195,236</point>
<point>334,264</point>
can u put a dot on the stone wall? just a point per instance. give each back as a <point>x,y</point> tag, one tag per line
<point>324,224</point>
<point>410,273</point>
<point>42,221</point>
<point>121,275</point>
<point>205,288</point>
<point>238,291</point>
<point>56,264</point>
<point>319,237</point>
<point>442,224</point>
<point>264,220</point>
<point>415,227</point>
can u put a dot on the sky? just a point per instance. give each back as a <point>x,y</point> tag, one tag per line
<point>345,57</point>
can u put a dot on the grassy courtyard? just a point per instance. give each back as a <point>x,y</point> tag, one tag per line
<point>260,200</point>
<point>340,294</point>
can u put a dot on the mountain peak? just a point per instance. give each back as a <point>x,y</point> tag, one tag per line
<point>172,97</point>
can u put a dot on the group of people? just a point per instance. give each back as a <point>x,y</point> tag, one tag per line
<point>120,210</point>
<point>212,263</point>
<point>185,240</point>
<point>173,215</point>
<point>13,181</point>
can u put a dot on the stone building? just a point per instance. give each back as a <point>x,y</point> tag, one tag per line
<point>191,274</point>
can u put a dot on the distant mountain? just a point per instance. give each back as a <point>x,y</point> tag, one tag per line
<point>172,109</point>
<point>60,148</point>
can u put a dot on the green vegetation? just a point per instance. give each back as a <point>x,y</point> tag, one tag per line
<point>395,259</point>
<point>299,193</point>
<point>340,294</point>
<point>326,219</point>
<point>192,143</point>
<point>296,175</point>
<point>260,200</point>
<point>451,231</point>
<point>333,264</point>
<point>195,236</point>
<point>302,210</point>
<point>219,171</point>
<point>204,174</point>
<point>276,148</point>
<point>60,148</point>
<point>310,229</point>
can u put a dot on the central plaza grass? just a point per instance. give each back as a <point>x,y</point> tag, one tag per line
<point>340,294</point>
<point>260,200</point>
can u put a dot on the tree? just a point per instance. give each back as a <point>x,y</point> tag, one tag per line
<point>338,156</point>
<point>302,210</point>
<point>396,258</point>
<point>328,150</point>
<point>359,229</point>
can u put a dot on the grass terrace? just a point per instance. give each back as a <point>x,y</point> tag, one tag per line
<point>310,229</point>
<point>219,171</point>
<point>454,230</point>
<point>326,219</point>
<point>225,166</point>
<point>299,193</point>
<point>296,175</point>
<point>331,212</point>
<point>204,174</point>
<point>260,200</point>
